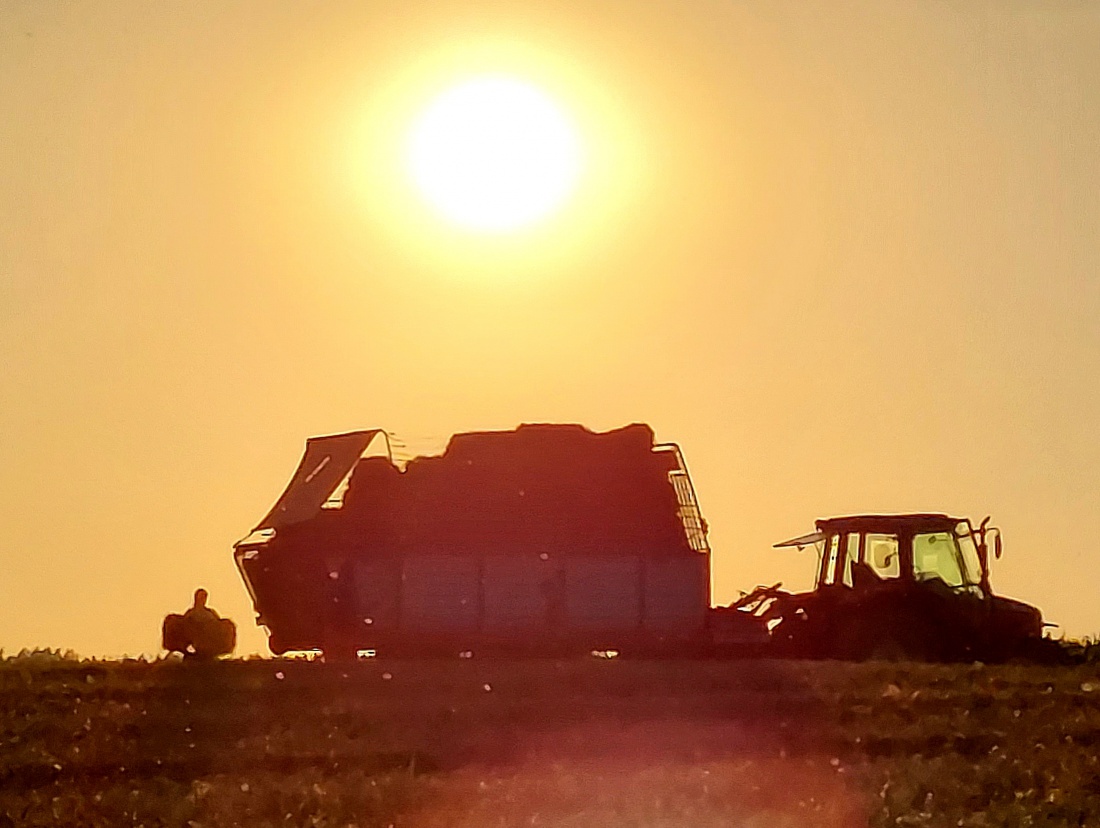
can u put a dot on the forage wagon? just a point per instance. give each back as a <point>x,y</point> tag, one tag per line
<point>543,539</point>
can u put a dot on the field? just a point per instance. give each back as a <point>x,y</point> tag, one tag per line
<point>547,743</point>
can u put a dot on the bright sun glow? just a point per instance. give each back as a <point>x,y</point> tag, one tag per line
<point>494,154</point>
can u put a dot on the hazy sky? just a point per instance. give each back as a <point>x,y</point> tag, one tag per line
<point>846,254</point>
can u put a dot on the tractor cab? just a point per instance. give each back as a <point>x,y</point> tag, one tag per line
<point>903,586</point>
<point>866,552</point>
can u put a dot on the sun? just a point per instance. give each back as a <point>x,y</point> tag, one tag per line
<point>494,154</point>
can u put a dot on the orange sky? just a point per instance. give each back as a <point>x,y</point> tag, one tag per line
<point>847,256</point>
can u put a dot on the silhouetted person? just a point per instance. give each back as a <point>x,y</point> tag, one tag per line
<point>199,613</point>
<point>200,632</point>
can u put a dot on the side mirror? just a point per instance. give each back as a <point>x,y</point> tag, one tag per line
<point>998,546</point>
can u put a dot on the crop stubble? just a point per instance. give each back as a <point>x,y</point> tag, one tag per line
<point>547,743</point>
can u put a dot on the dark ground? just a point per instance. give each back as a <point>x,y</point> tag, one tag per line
<point>547,743</point>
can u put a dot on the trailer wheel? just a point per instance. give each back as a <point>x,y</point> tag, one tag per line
<point>341,654</point>
<point>339,648</point>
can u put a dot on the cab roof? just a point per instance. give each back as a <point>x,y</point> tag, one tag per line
<point>889,524</point>
<point>905,524</point>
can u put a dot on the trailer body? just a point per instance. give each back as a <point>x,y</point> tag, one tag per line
<point>544,539</point>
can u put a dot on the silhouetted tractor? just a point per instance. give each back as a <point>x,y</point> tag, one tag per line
<point>912,586</point>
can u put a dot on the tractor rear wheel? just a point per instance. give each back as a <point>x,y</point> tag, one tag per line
<point>887,636</point>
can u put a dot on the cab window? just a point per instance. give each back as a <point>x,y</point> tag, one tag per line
<point>935,555</point>
<point>972,564</point>
<point>851,557</point>
<point>832,552</point>
<point>881,554</point>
